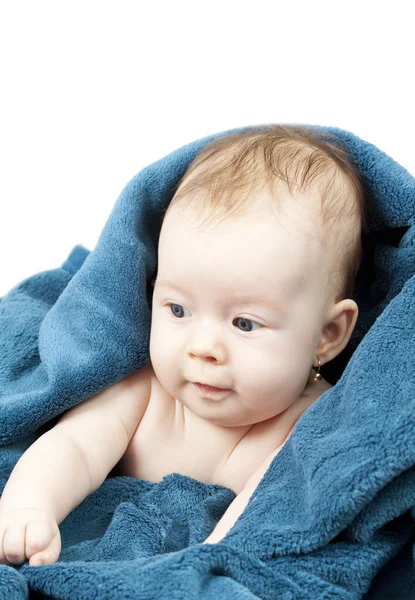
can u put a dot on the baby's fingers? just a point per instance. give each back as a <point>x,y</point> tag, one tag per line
<point>14,544</point>
<point>43,544</point>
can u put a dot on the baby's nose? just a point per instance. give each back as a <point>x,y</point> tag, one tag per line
<point>207,349</point>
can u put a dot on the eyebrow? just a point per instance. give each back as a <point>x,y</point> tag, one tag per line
<point>241,299</point>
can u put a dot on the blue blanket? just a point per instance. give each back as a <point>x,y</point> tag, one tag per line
<point>334,515</point>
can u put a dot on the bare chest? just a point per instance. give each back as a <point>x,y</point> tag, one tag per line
<point>165,443</point>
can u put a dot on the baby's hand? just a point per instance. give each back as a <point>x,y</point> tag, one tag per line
<point>29,533</point>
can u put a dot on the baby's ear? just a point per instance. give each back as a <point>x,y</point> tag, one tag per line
<point>338,331</point>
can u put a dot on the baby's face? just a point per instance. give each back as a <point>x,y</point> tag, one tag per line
<point>238,306</point>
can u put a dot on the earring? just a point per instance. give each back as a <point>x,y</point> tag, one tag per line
<point>317,376</point>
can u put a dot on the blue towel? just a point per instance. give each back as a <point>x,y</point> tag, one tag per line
<point>334,515</point>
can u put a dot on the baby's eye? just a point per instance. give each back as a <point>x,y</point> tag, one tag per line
<point>177,309</point>
<point>247,322</point>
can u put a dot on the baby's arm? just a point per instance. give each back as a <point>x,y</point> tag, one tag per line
<point>72,460</point>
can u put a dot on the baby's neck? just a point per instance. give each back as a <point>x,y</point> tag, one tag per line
<point>315,388</point>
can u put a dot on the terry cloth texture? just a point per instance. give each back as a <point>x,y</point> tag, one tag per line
<point>333,516</point>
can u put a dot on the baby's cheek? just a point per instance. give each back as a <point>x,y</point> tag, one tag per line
<point>155,349</point>
<point>161,353</point>
<point>268,383</point>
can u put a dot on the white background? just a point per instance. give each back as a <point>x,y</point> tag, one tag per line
<point>93,91</point>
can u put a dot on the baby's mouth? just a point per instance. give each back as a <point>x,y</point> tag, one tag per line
<point>210,391</point>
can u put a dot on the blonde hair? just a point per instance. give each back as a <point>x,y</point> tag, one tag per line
<point>231,167</point>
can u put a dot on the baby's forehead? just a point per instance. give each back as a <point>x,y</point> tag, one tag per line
<point>241,255</point>
<point>294,226</point>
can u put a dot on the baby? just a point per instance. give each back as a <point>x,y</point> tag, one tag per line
<point>243,311</point>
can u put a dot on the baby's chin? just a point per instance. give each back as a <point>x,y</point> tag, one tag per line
<point>220,414</point>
